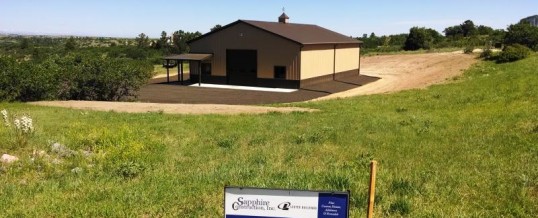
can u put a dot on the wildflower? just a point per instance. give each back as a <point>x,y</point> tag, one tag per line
<point>26,124</point>
<point>76,170</point>
<point>5,117</point>
<point>17,123</point>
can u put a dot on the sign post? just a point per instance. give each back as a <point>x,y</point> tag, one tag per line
<point>277,203</point>
<point>371,190</point>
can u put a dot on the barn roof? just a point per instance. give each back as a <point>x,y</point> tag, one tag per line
<point>304,34</point>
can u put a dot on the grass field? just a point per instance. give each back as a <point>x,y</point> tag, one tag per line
<point>464,149</point>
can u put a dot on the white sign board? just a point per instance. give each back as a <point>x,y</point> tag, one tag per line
<point>275,203</point>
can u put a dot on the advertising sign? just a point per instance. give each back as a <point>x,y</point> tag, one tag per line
<point>276,203</point>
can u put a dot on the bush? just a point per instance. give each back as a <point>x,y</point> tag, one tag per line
<point>522,33</point>
<point>421,38</point>
<point>129,170</point>
<point>468,49</point>
<point>513,53</point>
<point>88,77</point>
<point>487,54</point>
<point>101,79</point>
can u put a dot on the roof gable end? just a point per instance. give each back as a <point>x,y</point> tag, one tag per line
<point>303,34</point>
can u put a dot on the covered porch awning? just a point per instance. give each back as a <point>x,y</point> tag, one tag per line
<point>179,58</point>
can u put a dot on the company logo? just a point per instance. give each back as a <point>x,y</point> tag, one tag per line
<point>257,204</point>
<point>284,206</point>
<point>287,206</point>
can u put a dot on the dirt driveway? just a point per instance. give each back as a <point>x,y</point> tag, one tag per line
<point>408,71</point>
<point>397,72</point>
<point>138,107</point>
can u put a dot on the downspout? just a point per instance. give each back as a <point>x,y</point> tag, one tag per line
<point>334,62</point>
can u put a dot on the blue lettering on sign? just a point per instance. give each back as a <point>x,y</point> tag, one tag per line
<point>332,205</point>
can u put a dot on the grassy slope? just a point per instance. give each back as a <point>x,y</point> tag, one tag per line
<point>466,149</point>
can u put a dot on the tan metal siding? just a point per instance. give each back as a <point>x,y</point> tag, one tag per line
<point>347,58</point>
<point>272,50</point>
<point>316,60</point>
<point>321,60</point>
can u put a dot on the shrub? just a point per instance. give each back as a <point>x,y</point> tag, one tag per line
<point>487,54</point>
<point>88,77</point>
<point>513,53</point>
<point>468,49</point>
<point>8,79</point>
<point>102,79</point>
<point>129,169</point>
<point>522,33</point>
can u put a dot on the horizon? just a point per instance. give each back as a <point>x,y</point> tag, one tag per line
<point>124,19</point>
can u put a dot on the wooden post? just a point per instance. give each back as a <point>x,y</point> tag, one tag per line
<point>181,72</point>
<point>371,190</point>
<point>199,73</point>
<point>167,71</point>
<point>178,72</point>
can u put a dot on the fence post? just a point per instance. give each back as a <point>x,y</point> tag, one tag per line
<point>371,190</point>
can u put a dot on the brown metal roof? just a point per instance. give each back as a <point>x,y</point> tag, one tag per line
<point>189,57</point>
<point>304,34</point>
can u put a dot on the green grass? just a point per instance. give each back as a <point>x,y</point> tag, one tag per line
<point>465,149</point>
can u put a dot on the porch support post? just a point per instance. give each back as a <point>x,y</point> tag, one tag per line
<point>199,73</point>
<point>167,71</point>
<point>179,68</point>
<point>334,62</point>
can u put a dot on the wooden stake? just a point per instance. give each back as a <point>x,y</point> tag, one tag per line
<point>371,190</point>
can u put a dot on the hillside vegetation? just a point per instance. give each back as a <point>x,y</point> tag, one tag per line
<point>464,149</point>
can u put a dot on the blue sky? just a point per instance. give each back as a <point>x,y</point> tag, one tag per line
<point>121,18</point>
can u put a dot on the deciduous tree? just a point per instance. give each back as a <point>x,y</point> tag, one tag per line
<point>522,33</point>
<point>421,38</point>
<point>142,40</point>
<point>216,27</point>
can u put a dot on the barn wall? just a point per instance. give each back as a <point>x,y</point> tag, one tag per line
<point>272,50</point>
<point>347,58</point>
<point>322,60</point>
<point>316,60</point>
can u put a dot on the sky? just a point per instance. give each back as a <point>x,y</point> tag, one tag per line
<point>122,18</point>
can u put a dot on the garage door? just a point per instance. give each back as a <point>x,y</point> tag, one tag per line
<point>241,67</point>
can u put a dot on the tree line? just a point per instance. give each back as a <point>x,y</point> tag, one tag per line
<point>175,43</point>
<point>465,35</point>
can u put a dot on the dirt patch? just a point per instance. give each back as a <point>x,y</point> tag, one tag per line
<point>408,71</point>
<point>137,107</point>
